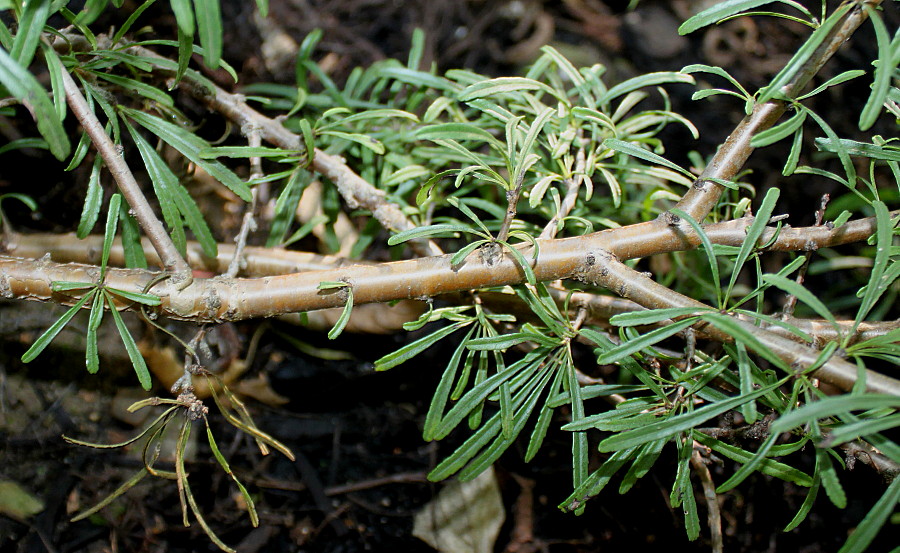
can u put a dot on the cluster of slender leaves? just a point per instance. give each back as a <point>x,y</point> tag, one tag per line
<point>456,151</point>
<point>99,297</point>
<point>650,418</point>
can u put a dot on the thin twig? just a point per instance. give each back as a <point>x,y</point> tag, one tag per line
<point>713,516</point>
<point>356,191</point>
<point>162,242</point>
<point>573,185</point>
<point>248,223</point>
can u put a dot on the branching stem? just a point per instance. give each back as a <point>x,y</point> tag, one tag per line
<point>168,253</point>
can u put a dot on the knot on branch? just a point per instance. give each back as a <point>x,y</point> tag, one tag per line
<point>594,268</point>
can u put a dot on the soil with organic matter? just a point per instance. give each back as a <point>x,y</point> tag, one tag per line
<point>359,473</point>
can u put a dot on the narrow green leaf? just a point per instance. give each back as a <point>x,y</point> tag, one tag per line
<point>708,249</point>
<point>476,396</point>
<point>92,201</point>
<point>830,482</point>
<point>263,7</point>
<point>58,286</point>
<point>887,63</point>
<point>245,152</point>
<point>309,140</point>
<point>803,54</point>
<point>806,507</point>
<point>442,393</point>
<point>544,419</point>
<point>91,357</point>
<point>689,507</point>
<point>767,466</point>
<point>137,360</point>
<point>753,233</point>
<point>31,24</point>
<point>137,297</point>
<point>131,239</point>
<point>834,81</point>
<point>44,340</point>
<point>701,68</point>
<point>80,153</point>
<point>185,50</point>
<point>745,373</point>
<point>790,164</point>
<point>525,402</point>
<point>871,524</point>
<point>209,26</point>
<point>838,147</point>
<point>644,340</point>
<point>523,263</point>
<point>427,232</point>
<point>184,16</point>
<point>112,223</point>
<point>642,81</point>
<point>194,219</point>
<point>856,148</point>
<point>409,351</point>
<point>647,456</point>
<point>405,174</point>
<point>362,139</point>
<point>92,10</point>
<point>876,286</point>
<point>339,325</point>
<point>861,428</point>
<point>21,143</point>
<point>718,12</point>
<point>506,341</point>
<point>22,85</point>
<point>741,332</point>
<point>94,94</point>
<point>504,85</point>
<point>286,206</point>
<point>598,480</point>
<point>670,426</point>
<point>832,406</point>
<point>142,89</point>
<point>164,182</point>
<point>464,252</point>
<point>640,153</point>
<point>378,113</point>
<point>797,290</point>
<point>779,132</point>
<point>55,68</point>
<point>191,145</point>
<point>458,132</point>
<point>120,32</point>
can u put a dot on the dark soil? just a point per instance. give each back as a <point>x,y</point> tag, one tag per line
<point>359,473</point>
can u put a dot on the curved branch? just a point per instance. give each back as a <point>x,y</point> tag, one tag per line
<point>603,269</point>
<point>409,279</point>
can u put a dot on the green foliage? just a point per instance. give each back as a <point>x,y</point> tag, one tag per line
<point>455,153</point>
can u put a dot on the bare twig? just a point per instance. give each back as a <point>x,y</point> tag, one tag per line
<point>355,190</point>
<point>573,185</point>
<point>162,242</point>
<point>248,224</point>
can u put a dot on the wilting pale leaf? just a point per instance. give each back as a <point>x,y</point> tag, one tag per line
<point>465,517</point>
